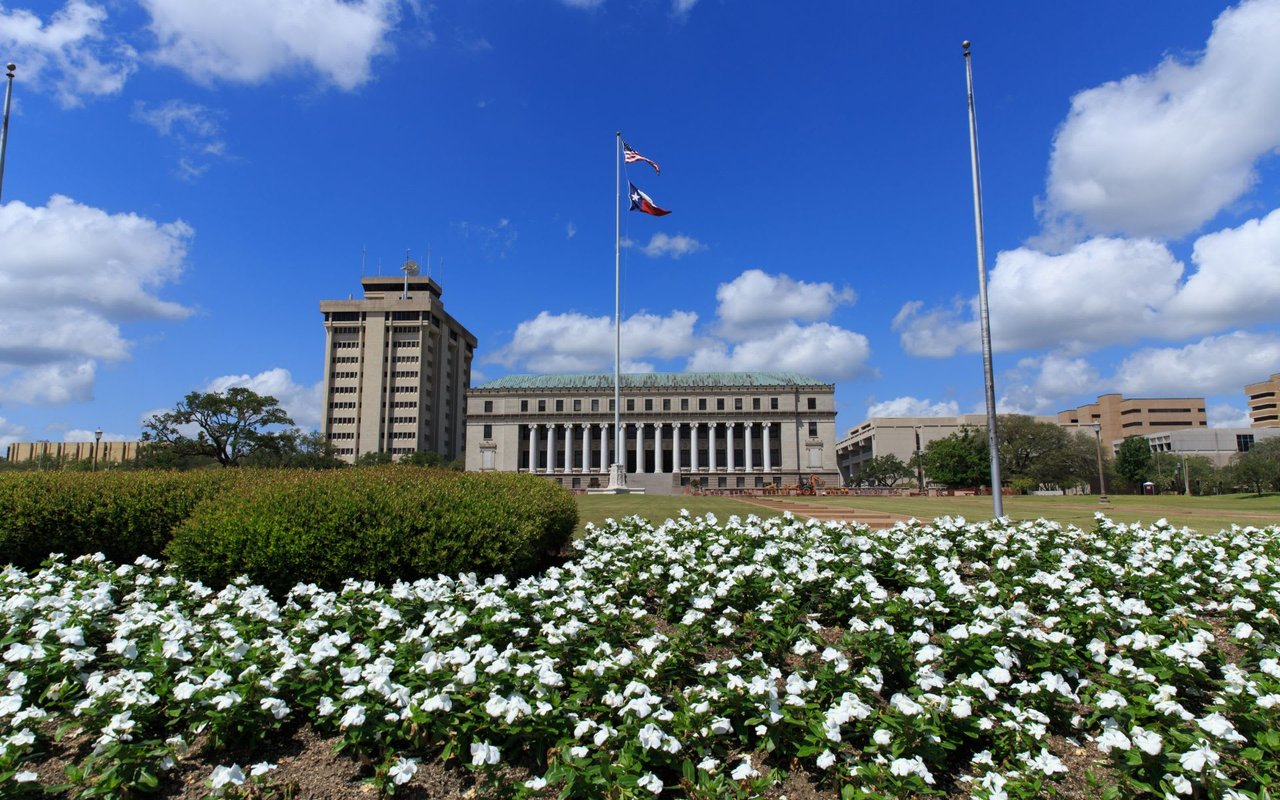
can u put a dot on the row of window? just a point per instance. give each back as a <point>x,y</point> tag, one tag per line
<point>739,404</point>
<point>342,404</point>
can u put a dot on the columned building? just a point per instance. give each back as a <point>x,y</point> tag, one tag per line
<point>728,430</point>
<point>396,370</point>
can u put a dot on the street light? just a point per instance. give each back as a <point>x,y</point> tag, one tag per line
<point>97,440</point>
<point>1102,478</point>
<point>919,465</point>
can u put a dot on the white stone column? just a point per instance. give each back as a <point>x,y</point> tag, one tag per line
<point>693,446</point>
<point>639,447</point>
<point>746,432</point>
<point>675,448</point>
<point>551,447</point>
<point>604,447</point>
<point>728,444</point>
<point>657,447</point>
<point>586,447</point>
<point>568,447</point>
<point>711,446</point>
<point>768,451</point>
<point>533,448</point>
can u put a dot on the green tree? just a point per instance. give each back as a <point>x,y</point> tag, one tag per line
<point>297,449</point>
<point>372,458</point>
<point>884,470</point>
<point>959,460</point>
<point>1035,453</point>
<point>1133,462</point>
<point>222,426</point>
<point>1259,467</point>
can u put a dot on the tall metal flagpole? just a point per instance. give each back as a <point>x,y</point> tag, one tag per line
<point>997,499</point>
<point>4,131</point>
<point>618,472</point>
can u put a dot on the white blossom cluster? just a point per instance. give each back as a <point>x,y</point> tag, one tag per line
<point>691,657</point>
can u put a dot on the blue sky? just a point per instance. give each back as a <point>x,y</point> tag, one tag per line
<point>187,180</point>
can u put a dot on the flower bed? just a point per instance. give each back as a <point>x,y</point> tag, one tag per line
<point>693,659</point>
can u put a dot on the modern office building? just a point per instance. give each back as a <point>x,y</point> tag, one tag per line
<point>731,430</point>
<point>1217,444</point>
<point>1122,417</point>
<point>396,370</point>
<point>1264,402</point>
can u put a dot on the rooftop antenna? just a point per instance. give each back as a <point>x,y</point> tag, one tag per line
<point>410,267</point>
<point>364,256</point>
<point>428,270</point>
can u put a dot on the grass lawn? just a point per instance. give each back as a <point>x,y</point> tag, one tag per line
<point>1212,512</point>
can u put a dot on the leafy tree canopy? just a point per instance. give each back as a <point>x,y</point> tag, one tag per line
<point>959,460</point>
<point>222,426</point>
<point>1133,460</point>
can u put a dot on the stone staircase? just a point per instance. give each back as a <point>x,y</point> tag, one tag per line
<point>815,508</point>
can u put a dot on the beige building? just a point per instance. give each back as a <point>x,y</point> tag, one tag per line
<point>397,368</point>
<point>1122,417</point>
<point>1264,403</point>
<point>66,452</point>
<point>733,430</point>
<point>1219,445</point>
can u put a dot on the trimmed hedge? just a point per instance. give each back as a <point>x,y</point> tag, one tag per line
<point>120,514</point>
<point>374,523</point>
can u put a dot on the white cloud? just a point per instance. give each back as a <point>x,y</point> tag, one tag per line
<point>1042,385</point>
<point>82,435</point>
<point>1162,153</point>
<point>681,8</point>
<point>675,246</point>
<point>1237,280</point>
<point>570,230</point>
<point>11,433</point>
<point>193,126</point>
<point>303,404</point>
<point>908,406</point>
<point>1225,415</point>
<point>583,4</point>
<point>755,303</point>
<point>251,41</point>
<point>820,350</point>
<point>574,342</point>
<point>1214,365</point>
<point>69,54</point>
<point>72,275</point>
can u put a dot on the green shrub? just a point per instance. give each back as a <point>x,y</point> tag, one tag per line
<point>379,523</point>
<point>120,514</point>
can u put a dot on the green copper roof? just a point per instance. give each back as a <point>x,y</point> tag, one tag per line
<point>652,380</point>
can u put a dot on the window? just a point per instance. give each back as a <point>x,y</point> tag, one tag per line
<point>577,405</point>
<point>488,406</point>
<point>488,432</point>
<point>524,406</point>
<point>737,404</point>
<point>611,405</point>
<point>813,429</point>
<point>631,404</point>
<point>702,404</point>
<point>684,404</point>
<point>719,404</point>
<point>666,404</point>
<point>542,405</point>
<point>1244,442</point>
<point>813,404</point>
<point>755,404</point>
<point>648,404</point>
<point>595,404</point>
<point>773,404</point>
<point>559,405</point>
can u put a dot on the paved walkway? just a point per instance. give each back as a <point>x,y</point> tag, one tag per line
<point>816,509</point>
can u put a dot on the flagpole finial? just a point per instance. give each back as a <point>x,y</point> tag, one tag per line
<point>966,44</point>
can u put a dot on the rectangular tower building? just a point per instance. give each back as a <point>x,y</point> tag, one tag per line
<point>396,370</point>
<point>1264,402</point>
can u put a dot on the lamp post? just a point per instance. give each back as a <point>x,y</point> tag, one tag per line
<point>4,128</point>
<point>919,464</point>
<point>1102,477</point>
<point>97,440</point>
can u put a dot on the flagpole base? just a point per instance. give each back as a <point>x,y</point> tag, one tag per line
<point>617,481</point>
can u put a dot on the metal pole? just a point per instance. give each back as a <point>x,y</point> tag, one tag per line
<point>4,131</point>
<point>619,455</point>
<point>1102,476</point>
<point>97,440</point>
<point>1186,479</point>
<point>997,500</point>
<point>919,464</point>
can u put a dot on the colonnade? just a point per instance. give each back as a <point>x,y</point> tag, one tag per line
<point>570,447</point>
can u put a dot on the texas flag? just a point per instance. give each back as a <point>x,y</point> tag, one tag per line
<point>641,202</point>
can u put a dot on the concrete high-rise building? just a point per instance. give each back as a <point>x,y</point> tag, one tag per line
<point>1122,417</point>
<point>396,370</point>
<point>733,430</point>
<point>1264,403</point>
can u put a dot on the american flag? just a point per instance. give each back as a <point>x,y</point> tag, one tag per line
<point>631,156</point>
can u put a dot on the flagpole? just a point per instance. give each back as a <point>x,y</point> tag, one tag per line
<point>618,472</point>
<point>4,132</point>
<point>997,500</point>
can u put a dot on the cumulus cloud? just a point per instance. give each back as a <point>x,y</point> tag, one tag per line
<point>1225,415</point>
<point>1162,153</point>
<point>755,303</point>
<point>73,274</point>
<point>908,406</point>
<point>821,350</point>
<point>675,246</point>
<point>251,41</point>
<point>82,435</point>
<point>1040,385</point>
<point>303,404</point>
<point>573,342</point>
<point>681,8</point>
<point>69,54</point>
<point>1213,365</point>
<point>11,433</point>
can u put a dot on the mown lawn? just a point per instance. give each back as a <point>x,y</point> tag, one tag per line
<point>1213,512</point>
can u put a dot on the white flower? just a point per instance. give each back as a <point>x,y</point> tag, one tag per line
<point>403,771</point>
<point>26,776</point>
<point>744,770</point>
<point>222,776</point>
<point>651,737</point>
<point>721,726</point>
<point>354,717</point>
<point>1147,741</point>
<point>911,766</point>
<point>1112,739</point>
<point>484,753</point>
<point>536,783</point>
<point>1221,727</point>
<point>882,737</point>
<point>1195,759</point>
<point>261,768</point>
<point>826,759</point>
<point>651,782</point>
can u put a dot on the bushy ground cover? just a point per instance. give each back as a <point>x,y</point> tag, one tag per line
<point>694,658</point>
